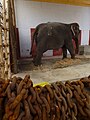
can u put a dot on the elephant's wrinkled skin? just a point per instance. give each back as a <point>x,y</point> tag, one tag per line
<point>55,35</point>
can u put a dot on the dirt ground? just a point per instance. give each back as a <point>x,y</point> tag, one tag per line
<point>55,69</point>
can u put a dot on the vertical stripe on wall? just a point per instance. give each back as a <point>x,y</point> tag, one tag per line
<point>85,37</point>
<point>57,52</point>
<point>34,45</point>
<point>89,37</point>
<point>18,43</point>
<point>79,39</point>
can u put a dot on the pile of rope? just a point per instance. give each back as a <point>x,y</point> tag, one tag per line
<point>20,100</point>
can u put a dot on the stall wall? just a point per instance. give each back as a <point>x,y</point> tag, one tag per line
<point>29,14</point>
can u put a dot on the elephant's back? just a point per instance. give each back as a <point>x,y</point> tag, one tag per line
<point>53,29</point>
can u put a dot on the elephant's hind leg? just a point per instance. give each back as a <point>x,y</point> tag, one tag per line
<point>37,58</point>
<point>64,52</point>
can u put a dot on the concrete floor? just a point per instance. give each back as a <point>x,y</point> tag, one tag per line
<point>59,74</point>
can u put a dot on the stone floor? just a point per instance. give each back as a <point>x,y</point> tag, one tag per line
<point>50,75</point>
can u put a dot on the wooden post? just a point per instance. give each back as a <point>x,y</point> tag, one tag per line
<point>13,13</point>
<point>5,40</point>
<point>12,41</point>
<point>1,49</point>
<point>8,47</point>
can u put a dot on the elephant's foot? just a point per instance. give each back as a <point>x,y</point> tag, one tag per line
<point>33,61</point>
<point>36,63</point>
<point>76,51</point>
<point>64,57</point>
<point>72,57</point>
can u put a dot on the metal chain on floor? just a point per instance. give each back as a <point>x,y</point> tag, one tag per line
<point>19,100</point>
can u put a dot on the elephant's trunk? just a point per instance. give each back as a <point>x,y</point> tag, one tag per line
<point>77,46</point>
<point>77,41</point>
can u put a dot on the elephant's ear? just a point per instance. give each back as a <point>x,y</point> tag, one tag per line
<point>72,29</point>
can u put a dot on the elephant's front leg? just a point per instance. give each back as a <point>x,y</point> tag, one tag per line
<point>64,52</point>
<point>70,48</point>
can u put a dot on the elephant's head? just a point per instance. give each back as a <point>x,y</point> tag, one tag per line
<point>75,34</point>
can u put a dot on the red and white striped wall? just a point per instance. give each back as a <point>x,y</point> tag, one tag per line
<point>84,39</point>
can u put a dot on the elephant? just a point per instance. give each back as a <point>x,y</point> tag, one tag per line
<point>55,35</point>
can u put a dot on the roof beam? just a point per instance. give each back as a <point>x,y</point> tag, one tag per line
<point>70,2</point>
